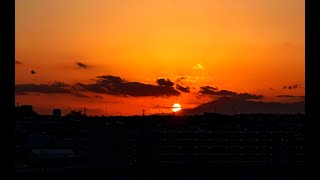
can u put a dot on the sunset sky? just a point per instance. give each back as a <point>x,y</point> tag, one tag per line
<point>118,57</point>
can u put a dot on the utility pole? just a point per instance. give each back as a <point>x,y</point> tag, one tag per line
<point>106,110</point>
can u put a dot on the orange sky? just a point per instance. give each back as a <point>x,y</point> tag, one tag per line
<point>243,46</point>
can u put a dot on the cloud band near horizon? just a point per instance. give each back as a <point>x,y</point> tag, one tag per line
<point>109,85</point>
<point>208,90</point>
<point>117,86</point>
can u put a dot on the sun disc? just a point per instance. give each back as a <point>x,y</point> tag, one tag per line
<point>176,107</point>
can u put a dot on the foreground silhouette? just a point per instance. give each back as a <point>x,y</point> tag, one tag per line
<point>208,142</point>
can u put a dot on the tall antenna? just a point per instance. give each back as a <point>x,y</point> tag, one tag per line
<point>106,110</point>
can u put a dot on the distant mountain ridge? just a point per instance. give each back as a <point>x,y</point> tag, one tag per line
<point>230,106</point>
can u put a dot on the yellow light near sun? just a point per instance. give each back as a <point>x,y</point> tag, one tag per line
<point>176,107</point>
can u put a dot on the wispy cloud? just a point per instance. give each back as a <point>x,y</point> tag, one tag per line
<point>198,67</point>
<point>181,79</point>
<point>82,65</point>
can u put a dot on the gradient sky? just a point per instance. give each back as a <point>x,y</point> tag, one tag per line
<point>242,46</point>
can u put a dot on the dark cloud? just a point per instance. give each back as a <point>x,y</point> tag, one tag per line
<point>51,88</point>
<point>79,95</point>
<point>82,65</point>
<point>208,90</point>
<point>164,82</point>
<point>291,87</point>
<point>56,87</point>
<point>290,96</point>
<point>114,85</point>
<point>183,89</point>
<point>224,93</point>
<point>96,88</point>
<point>248,96</point>
<point>18,62</point>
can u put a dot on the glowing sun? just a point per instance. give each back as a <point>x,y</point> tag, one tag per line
<point>176,107</point>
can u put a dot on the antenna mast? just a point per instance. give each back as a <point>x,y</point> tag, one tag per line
<point>106,110</point>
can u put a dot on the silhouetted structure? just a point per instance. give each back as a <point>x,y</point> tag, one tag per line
<point>25,112</point>
<point>56,113</point>
<point>75,114</point>
<point>157,143</point>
